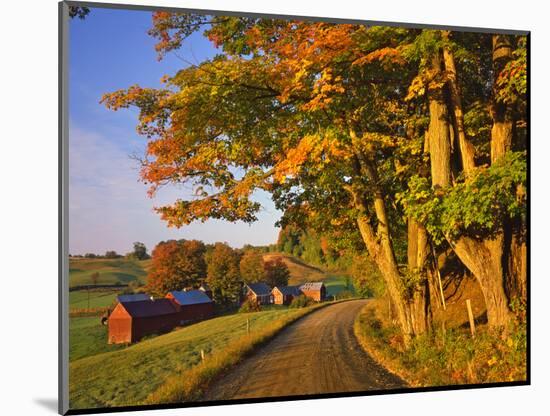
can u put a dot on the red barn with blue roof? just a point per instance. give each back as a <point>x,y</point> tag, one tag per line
<point>131,321</point>
<point>192,305</point>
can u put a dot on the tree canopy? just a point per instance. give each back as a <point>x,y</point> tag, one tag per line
<point>405,139</point>
<point>223,275</point>
<point>176,265</point>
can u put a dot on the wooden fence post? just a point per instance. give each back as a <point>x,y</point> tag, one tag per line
<point>471,318</point>
<point>439,279</point>
<point>248,326</point>
<point>202,356</point>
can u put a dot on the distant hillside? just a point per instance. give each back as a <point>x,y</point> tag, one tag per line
<point>300,271</point>
<point>111,271</point>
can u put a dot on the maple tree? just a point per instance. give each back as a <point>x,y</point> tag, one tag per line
<point>477,200</point>
<point>223,275</point>
<point>252,267</point>
<point>276,272</point>
<point>176,265</point>
<point>374,131</point>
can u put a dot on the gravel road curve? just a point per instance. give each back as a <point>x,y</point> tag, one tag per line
<point>317,354</point>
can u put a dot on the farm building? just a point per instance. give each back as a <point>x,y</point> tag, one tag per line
<point>131,321</point>
<point>283,295</point>
<point>192,305</point>
<point>314,290</point>
<point>258,292</point>
<point>133,298</point>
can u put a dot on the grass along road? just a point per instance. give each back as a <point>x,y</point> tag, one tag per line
<point>317,354</point>
<point>127,376</point>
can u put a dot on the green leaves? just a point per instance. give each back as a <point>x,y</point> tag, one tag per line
<point>476,207</point>
<point>512,81</point>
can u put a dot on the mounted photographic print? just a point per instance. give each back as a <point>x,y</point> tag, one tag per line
<point>264,208</point>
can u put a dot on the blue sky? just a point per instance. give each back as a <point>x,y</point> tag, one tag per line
<point>108,206</point>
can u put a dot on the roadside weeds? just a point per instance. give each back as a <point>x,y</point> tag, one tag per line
<point>444,357</point>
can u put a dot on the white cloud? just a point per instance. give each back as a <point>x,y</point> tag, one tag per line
<point>109,208</point>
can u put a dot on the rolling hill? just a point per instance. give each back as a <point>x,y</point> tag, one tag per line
<point>301,272</point>
<point>111,271</point>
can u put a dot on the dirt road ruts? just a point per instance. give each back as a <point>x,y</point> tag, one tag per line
<point>317,354</point>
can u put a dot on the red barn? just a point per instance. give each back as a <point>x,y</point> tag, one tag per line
<point>192,305</point>
<point>131,321</point>
<point>314,290</point>
<point>258,292</point>
<point>283,295</point>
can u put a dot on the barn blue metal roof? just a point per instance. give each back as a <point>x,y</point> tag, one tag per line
<point>259,288</point>
<point>133,298</point>
<point>191,297</point>
<point>149,308</point>
<point>289,290</point>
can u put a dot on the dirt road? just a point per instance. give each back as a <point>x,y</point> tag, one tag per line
<point>317,354</point>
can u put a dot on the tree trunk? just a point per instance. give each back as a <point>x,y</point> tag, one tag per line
<point>413,314</point>
<point>484,260</point>
<point>417,254</point>
<point>439,134</point>
<point>390,272</point>
<point>517,283</point>
<point>516,262</point>
<point>466,148</point>
<point>502,131</point>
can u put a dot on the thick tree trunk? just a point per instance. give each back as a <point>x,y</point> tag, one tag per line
<point>390,272</point>
<point>502,132</point>
<point>502,136</point>
<point>466,148</point>
<point>379,244</point>
<point>417,253</point>
<point>516,263</point>
<point>439,134</point>
<point>518,269</point>
<point>484,260</point>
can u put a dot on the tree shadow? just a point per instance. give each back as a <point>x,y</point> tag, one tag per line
<point>478,320</point>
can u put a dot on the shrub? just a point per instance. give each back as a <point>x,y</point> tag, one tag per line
<point>446,356</point>
<point>250,306</point>
<point>366,278</point>
<point>301,302</point>
<point>345,294</point>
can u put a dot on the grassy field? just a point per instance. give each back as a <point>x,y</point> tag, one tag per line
<point>111,271</point>
<point>300,272</point>
<point>337,283</point>
<point>129,375</point>
<point>78,299</point>
<point>88,337</point>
